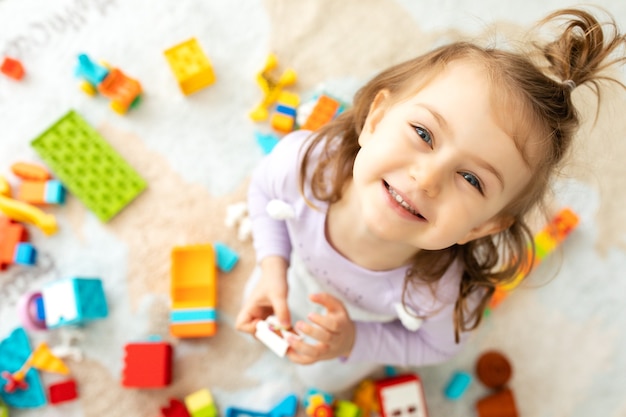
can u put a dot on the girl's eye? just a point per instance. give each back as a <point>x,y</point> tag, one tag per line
<point>474,182</point>
<point>424,135</point>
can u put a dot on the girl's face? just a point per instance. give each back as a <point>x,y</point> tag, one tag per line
<point>436,168</point>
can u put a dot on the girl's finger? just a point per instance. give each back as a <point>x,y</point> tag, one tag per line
<point>327,322</point>
<point>328,301</point>
<point>318,333</point>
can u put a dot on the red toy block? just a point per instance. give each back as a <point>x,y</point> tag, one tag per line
<point>62,391</point>
<point>11,233</point>
<point>12,68</point>
<point>176,408</point>
<point>147,365</point>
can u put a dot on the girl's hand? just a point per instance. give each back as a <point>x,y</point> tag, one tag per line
<point>267,298</point>
<point>334,331</point>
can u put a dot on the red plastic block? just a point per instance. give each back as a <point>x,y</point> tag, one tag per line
<point>11,233</point>
<point>62,391</point>
<point>176,408</point>
<point>147,365</point>
<point>12,68</point>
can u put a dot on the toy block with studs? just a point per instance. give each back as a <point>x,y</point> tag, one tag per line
<point>74,301</point>
<point>190,66</point>
<point>88,166</point>
<point>201,404</point>
<point>147,365</point>
<point>62,391</point>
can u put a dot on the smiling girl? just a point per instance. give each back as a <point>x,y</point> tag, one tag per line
<point>409,208</point>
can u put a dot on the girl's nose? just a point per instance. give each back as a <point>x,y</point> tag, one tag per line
<point>427,176</point>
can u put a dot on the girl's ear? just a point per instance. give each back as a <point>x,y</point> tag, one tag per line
<point>376,113</point>
<point>490,227</point>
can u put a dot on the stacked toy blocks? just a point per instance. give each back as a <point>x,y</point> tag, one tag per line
<point>14,246</point>
<point>147,365</point>
<point>284,118</point>
<point>201,404</point>
<point>88,166</point>
<point>193,291</point>
<point>73,301</point>
<point>190,66</point>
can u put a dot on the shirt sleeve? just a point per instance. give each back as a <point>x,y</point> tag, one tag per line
<point>275,177</point>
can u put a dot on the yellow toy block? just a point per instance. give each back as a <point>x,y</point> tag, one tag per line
<point>190,65</point>
<point>200,404</point>
<point>282,123</point>
<point>24,212</point>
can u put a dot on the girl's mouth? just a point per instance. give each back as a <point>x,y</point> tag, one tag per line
<point>401,202</point>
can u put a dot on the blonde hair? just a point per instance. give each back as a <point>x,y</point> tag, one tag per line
<point>538,97</point>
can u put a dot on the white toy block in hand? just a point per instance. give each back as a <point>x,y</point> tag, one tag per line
<point>272,334</point>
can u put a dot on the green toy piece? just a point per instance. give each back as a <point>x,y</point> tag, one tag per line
<point>4,410</point>
<point>88,166</point>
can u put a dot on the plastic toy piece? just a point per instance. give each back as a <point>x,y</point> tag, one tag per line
<point>318,403</point>
<point>457,386</point>
<point>493,369</point>
<point>284,117</point>
<point>147,365</point>
<point>175,408</point>
<point>42,359</point>
<point>227,258</point>
<point>27,213</point>
<point>325,110</point>
<point>12,68</point>
<point>193,291</point>
<point>200,404</point>
<point>27,308</point>
<point>88,166</point>
<point>41,192</point>
<point>546,241</point>
<point>271,87</point>
<point>272,334</point>
<point>11,236</point>
<point>345,408</point>
<point>123,91</point>
<point>190,65</point>
<point>4,410</point>
<point>62,391</point>
<point>29,171</point>
<point>365,397</point>
<point>266,141</point>
<point>286,408</point>
<point>499,404</point>
<point>14,352</point>
<point>74,301</point>
<point>401,396</point>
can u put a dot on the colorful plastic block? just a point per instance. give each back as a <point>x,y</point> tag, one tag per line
<point>190,66</point>
<point>493,369</point>
<point>286,408</point>
<point>90,71</point>
<point>25,254</point>
<point>4,410</point>
<point>266,141</point>
<point>402,393</point>
<point>345,408</point>
<point>325,109</point>
<point>365,397</point>
<point>457,386</point>
<point>74,301</point>
<point>30,172</point>
<point>227,258</point>
<point>30,308</point>
<point>271,87</point>
<point>284,117</point>
<point>193,291</point>
<point>14,352</point>
<point>11,235</point>
<point>12,68</point>
<point>24,212</point>
<point>273,335</point>
<point>499,404</point>
<point>175,408</point>
<point>62,391</point>
<point>88,166</point>
<point>41,192</point>
<point>147,365</point>
<point>200,404</point>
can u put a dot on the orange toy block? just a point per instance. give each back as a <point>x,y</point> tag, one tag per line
<point>147,365</point>
<point>323,112</point>
<point>12,68</point>
<point>122,90</point>
<point>32,192</point>
<point>11,233</point>
<point>29,171</point>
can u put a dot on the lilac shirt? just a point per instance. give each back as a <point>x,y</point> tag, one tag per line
<point>389,343</point>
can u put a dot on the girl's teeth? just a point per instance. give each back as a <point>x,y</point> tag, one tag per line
<point>401,201</point>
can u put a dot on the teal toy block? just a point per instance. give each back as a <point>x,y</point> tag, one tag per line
<point>88,166</point>
<point>25,254</point>
<point>74,301</point>
<point>54,192</point>
<point>266,141</point>
<point>288,407</point>
<point>227,258</point>
<point>457,385</point>
<point>14,351</point>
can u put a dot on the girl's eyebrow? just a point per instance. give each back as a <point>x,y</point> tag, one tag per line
<point>443,125</point>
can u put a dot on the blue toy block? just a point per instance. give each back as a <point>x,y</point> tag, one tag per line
<point>40,309</point>
<point>54,192</point>
<point>227,258</point>
<point>266,141</point>
<point>25,254</point>
<point>90,71</point>
<point>74,301</point>
<point>289,111</point>
<point>14,351</point>
<point>458,385</point>
<point>286,408</point>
